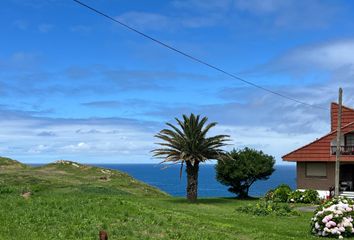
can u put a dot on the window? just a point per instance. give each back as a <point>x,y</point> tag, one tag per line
<point>316,170</point>
<point>349,140</point>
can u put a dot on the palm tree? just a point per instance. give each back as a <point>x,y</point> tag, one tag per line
<point>187,143</point>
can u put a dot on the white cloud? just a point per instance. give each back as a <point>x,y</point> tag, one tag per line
<point>38,149</point>
<point>266,13</point>
<point>146,20</point>
<point>328,56</point>
<point>155,21</point>
<point>19,61</point>
<point>265,139</point>
<point>81,146</point>
<point>21,24</point>
<point>113,140</point>
<point>81,28</point>
<point>203,4</point>
<point>44,27</point>
<point>262,6</point>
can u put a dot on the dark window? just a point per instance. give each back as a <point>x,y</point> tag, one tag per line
<point>349,140</point>
<point>316,170</point>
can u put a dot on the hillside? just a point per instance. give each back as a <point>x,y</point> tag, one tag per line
<point>8,163</point>
<point>67,176</point>
<point>74,201</point>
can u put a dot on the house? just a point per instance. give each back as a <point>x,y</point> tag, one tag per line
<point>315,162</point>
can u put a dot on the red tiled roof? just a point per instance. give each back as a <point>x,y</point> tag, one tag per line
<point>320,149</point>
<point>347,116</point>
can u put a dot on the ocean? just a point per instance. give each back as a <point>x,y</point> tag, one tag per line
<point>167,179</point>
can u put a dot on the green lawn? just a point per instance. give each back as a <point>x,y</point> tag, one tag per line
<point>73,203</point>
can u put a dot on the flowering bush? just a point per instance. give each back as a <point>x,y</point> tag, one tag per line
<point>334,218</point>
<point>307,196</point>
<point>296,196</point>
<point>264,208</point>
<point>284,194</point>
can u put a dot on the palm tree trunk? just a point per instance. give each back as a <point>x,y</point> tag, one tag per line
<point>192,181</point>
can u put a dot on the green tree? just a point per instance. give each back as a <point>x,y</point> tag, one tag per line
<point>240,169</point>
<point>188,143</point>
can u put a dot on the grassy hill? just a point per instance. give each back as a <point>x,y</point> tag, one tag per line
<point>74,201</point>
<point>70,177</point>
<point>8,163</point>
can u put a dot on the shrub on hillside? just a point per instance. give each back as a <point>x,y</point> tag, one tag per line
<point>265,208</point>
<point>307,196</point>
<point>269,195</point>
<point>334,218</point>
<point>311,196</point>
<point>296,196</point>
<point>281,193</point>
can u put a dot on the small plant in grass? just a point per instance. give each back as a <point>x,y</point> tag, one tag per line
<point>265,208</point>
<point>4,189</point>
<point>334,218</point>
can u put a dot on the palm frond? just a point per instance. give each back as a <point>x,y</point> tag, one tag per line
<point>187,142</point>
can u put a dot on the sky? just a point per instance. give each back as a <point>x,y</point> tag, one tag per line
<point>79,87</point>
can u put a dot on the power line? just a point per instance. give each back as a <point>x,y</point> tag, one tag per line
<point>195,58</point>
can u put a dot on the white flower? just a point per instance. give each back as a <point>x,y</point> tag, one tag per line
<point>335,231</point>
<point>335,219</point>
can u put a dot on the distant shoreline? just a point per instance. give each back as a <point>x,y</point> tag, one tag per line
<point>96,164</point>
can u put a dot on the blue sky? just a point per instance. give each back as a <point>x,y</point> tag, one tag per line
<point>76,86</point>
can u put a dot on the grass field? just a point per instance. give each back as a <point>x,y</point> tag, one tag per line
<point>73,201</point>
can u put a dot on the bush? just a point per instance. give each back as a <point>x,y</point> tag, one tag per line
<point>296,196</point>
<point>334,218</point>
<point>307,196</point>
<point>269,195</point>
<point>311,196</point>
<point>281,193</point>
<point>264,208</point>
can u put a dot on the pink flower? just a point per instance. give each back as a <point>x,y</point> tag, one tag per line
<point>332,223</point>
